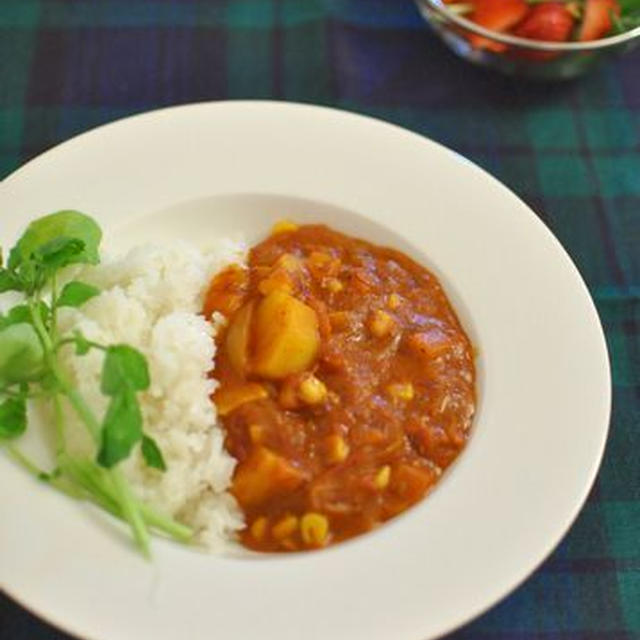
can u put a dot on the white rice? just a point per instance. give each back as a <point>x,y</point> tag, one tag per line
<point>150,299</point>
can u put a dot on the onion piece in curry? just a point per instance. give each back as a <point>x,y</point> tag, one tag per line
<point>347,385</point>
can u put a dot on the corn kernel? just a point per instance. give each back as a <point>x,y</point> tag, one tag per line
<point>256,433</point>
<point>282,226</point>
<point>334,285</point>
<point>394,301</point>
<point>227,400</point>
<point>401,391</point>
<point>380,323</point>
<point>288,262</point>
<point>285,527</point>
<point>337,449</point>
<point>314,528</point>
<point>259,528</point>
<point>312,390</point>
<point>382,477</point>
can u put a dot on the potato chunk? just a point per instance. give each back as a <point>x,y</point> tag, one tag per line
<point>263,475</point>
<point>230,398</point>
<point>287,337</point>
<point>238,335</point>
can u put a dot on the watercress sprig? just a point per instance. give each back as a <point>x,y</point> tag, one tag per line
<point>29,367</point>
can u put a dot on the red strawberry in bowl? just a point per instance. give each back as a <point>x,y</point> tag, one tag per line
<point>497,15</point>
<point>548,21</point>
<point>544,39</point>
<point>596,22</point>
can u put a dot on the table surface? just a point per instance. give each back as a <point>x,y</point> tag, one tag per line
<point>571,151</point>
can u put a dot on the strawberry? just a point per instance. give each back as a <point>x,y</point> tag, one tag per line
<point>497,15</point>
<point>549,21</point>
<point>596,22</point>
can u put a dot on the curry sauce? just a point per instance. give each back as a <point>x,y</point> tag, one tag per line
<point>346,385</point>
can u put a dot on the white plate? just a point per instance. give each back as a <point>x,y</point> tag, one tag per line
<point>544,386</point>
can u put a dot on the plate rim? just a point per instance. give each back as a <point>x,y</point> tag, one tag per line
<point>63,146</point>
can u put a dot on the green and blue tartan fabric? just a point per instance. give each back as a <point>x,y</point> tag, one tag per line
<point>572,151</point>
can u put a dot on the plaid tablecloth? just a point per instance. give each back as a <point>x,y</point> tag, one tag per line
<point>572,151</point>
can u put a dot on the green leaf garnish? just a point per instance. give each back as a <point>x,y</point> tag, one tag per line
<point>9,281</point>
<point>22,313</point>
<point>124,372</point>
<point>59,252</point>
<point>121,429</point>
<point>75,294</point>
<point>57,238</point>
<point>83,346</point>
<point>124,368</point>
<point>21,354</point>
<point>13,418</point>
<point>29,366</point>
<point>152,454</point>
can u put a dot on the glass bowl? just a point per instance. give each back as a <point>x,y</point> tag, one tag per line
<point>531,58</point>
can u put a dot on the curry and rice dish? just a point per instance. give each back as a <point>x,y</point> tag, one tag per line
<point>346,385</point>
<point>287,396</point>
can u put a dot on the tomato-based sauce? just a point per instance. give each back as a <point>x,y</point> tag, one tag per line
<point>346,385</point>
